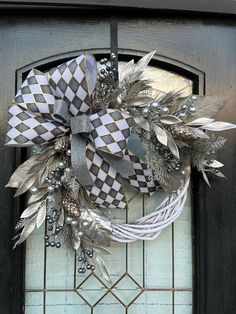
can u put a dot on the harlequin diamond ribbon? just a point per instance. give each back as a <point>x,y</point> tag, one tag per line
<point>48,105</point>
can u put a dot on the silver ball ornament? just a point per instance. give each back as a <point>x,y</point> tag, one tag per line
<point>85,223</point>
<point>74,223</point>
<point>164,110</point>
<point>51,189</point>
<point>155,105</point>
<point>182,115</point>
<point>193,97</point>
<point>68,152</point>
<point>69,220</point>
<point>61,165</point>
<point>34,190</point>
<point>145,112</point>
<point>192,110</point>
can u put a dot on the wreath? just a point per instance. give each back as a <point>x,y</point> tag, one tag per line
<point>96,128</point>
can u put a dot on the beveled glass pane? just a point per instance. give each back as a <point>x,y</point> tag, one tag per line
<point>34,275</point>
<point>183,302</point>
<point>60,267</point>
<point>34,303</point>
<point>151,302</point>
<point>65,303</point>
<point>183,248</point>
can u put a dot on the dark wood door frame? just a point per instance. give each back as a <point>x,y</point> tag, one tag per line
<point>208,248</point>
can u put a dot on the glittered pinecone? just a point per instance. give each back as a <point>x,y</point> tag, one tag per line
<point>182,132</point>
<point>62,144</point>
<point>71,207</point>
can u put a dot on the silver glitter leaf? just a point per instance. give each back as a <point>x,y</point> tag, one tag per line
<point>161,135</point>
<point>172,145</point>
<point>137,70</point>
<point>35,197</point>
<point>47,153</point>
<point>102,267</point>
<point>206,178</point>
<point>199,133</point>
<point>101,250</point>
<point>29,211</point>
<point>21,172</point>
<point>27,230</point>
<point>144,61</point>
<point>99,226</point>
<point>126,70</point>
<point>41,214</point>
<point>61,218</point>
<point>200,121</point>
<point>76,244</point>
<point>25,185</point>
<point>218,126</point>
<point>169,119</point>
<point>218,173</point>
<point>207,106</point>
<point>214,164</point>
<point>142,123</point>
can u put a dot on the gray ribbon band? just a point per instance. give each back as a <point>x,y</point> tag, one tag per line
<point>78,160</point>
<point>123,166</point>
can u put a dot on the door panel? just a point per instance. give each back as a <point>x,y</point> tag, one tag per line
<point>202,50</point>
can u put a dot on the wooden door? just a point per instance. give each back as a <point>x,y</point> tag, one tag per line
<point>201,49</point>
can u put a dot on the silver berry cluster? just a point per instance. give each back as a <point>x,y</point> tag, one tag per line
<point>85,261</point>
<point>187,108</point>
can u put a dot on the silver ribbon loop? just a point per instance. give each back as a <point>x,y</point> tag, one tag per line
<point>61,111</point>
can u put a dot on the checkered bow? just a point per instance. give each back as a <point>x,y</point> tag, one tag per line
<point>32,121</point>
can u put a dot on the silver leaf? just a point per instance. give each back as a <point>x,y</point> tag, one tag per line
<point>76,244</point>
<point>142,123</point>
<point>47,153</point>
<point>161,135</point>
<point>101,250</point>
<point>29,211</point>
<point>127,69</point>
<point>172,145</point>
<point>99,228</point>
<point>21,172</point>
<point>218,173</point>
<point>144,61</point>
<point>206,178</point>
<point>169,119</point>
<point>61,218</point>
<point>139,68</point>
<point>207,106</point>
<point>25,185</point>
<point>199,133</point>
<point>200,121</point>
<point>28,229</point>
<point>41,214</point>
<point>35,197</point>
<point>214,164</point>
<point>218,126</point>
<point>102,267</point>
<point>140,101</point>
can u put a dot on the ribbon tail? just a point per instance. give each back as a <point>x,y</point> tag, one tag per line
<point>78,160</point>
<point>123,166</point>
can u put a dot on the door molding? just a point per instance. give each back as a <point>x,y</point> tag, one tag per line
<point>210,6</point>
